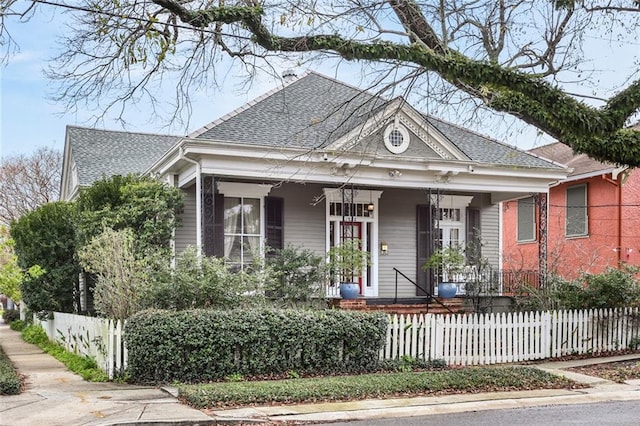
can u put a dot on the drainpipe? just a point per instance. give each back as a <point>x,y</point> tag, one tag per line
<point>198,200</point>
<point>619,196</point>
<point>617,178</point>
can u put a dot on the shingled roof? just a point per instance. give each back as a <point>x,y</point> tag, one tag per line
<point>310,112</point>
<point>314,110</point>
<point>580,163</point>
<point>486,150</point>
<point>103,153</point>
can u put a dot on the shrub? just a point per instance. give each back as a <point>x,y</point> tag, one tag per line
<point>10,315</point>
<point>205,282</point>
<point>35,334</point>
<point>45,237</point>
<point>297,277</point>
<point>18,325</point>
<point>614,288</point>
<point>556,294</point>
<point>147,206</point>
<point>204,345</point>
<point>10,383</point>
<point>119,276</point>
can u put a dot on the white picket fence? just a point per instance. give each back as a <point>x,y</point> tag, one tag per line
<point>461,339</point>
<point>98,338</point>
<point>480,339</point>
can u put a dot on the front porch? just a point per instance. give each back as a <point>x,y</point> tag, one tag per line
<point>474,286</point>
<point>404,306</point>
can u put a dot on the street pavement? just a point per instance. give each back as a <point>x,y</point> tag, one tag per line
<point>56,396</point>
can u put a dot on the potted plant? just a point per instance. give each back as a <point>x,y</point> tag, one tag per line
<point>447,262</point>
<point>346,262</point>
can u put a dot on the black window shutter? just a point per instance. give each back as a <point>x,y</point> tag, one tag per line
<point>218,227</point>
<point>424,229</point>
<point>274,217</point>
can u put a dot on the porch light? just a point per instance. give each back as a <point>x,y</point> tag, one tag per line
<point>370,207</point>
<point>384,247</point>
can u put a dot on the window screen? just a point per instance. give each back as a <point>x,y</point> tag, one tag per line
<point>576,211</point>
<point>526,219</point>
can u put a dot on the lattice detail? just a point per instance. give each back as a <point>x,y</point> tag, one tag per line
<point>541,201</point>
<point>424,137</point>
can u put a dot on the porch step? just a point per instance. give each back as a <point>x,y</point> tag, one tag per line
<point>403,306</point>
<point>456,305</point>
<point>400,301</point>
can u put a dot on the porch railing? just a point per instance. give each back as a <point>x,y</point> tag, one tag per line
<point>427,293</point>
<point>475,281</point>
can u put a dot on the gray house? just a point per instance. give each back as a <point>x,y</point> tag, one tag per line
<point>315,161</point>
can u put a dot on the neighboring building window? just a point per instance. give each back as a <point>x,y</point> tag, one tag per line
<point>241,230</point>
<point>526,220</point>
<point>577,220</point>
<point>396,138</point>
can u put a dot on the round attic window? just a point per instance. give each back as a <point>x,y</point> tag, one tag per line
<point>396,138</point>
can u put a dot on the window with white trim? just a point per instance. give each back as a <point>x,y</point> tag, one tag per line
<point>243,221</point>
<point>241,230</point>
<point>526,220</point>
<point>396,138</point>
<point>577,223</point>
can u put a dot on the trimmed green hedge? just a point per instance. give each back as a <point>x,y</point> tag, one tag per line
<point>204,345</point>
<point>9,380</point>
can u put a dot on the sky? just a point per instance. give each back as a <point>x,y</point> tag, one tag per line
<point>29,119</point>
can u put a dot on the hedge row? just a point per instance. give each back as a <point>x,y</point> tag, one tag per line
<point>204,345</point>
<point>9,380</point>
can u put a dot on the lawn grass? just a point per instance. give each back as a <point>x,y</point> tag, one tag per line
<point>10,383</point>
<point>345,388</point>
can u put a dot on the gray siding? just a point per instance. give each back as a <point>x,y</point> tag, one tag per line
<point>304,223</point>
<point>186,233</point>
<point>397,227</point>
<point>490,223</point>
<point>490,227</point>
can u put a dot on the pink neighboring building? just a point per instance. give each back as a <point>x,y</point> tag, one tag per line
<point>593,218</point>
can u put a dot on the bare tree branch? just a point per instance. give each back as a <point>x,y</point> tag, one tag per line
<point>507,54</point>
<point>26,182</point>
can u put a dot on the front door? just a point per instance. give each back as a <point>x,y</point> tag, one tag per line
<point>353,213</point>
<point>341,231</point>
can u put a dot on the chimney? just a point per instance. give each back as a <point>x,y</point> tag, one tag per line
<point>289,75</point>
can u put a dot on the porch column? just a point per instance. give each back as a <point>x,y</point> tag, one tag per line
<point>207,211</point>
<point>541,202</point>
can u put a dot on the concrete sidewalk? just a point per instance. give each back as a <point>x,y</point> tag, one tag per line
<point>55,396</point>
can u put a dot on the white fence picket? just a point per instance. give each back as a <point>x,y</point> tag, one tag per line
<point>481,339</point>
<point>98,338</point>
<point>460,339</point>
